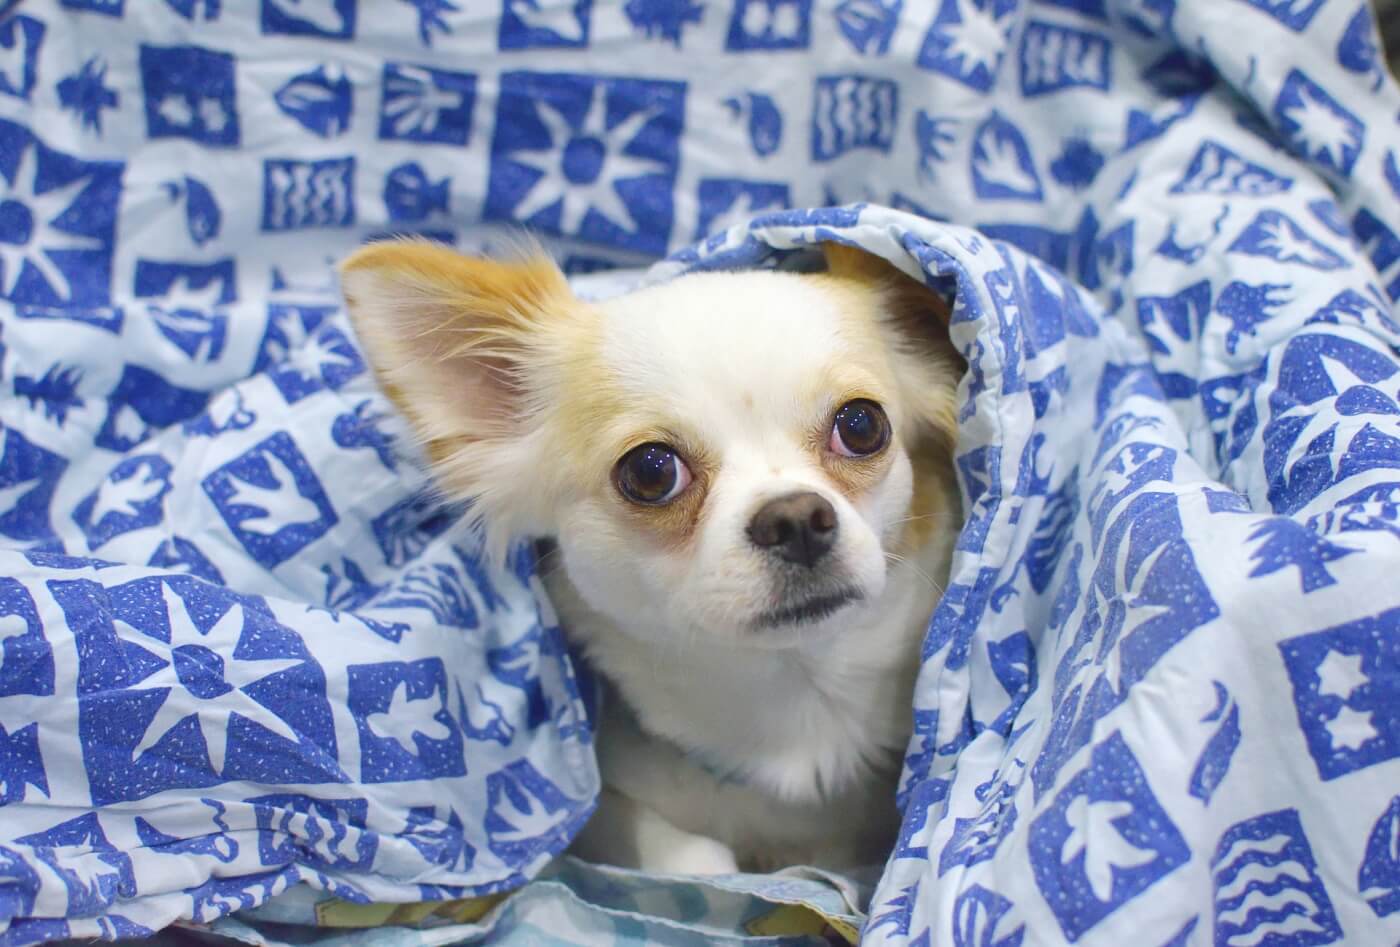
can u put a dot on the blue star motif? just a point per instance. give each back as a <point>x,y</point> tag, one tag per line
<point>216,684</point>
<point>57,222</point>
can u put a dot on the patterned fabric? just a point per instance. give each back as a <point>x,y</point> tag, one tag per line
<point>244,649</point>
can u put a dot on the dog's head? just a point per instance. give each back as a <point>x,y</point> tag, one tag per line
<point>728,454</point>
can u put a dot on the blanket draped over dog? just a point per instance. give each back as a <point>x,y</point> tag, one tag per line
<point>249,664</point>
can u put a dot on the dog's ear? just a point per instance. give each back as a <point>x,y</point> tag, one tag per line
<point>914,322</point>
<point>454,342</point>
<point>906,299</point>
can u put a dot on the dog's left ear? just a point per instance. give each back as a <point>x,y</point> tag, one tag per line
<point>914,321</point>
<point>464,347</point>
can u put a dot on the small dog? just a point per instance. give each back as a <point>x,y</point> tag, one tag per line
<point>748,480</point>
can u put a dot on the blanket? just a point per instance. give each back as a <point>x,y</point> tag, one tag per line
<point>255,676</point>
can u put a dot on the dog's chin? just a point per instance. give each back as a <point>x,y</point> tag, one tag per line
<point>806,610</point>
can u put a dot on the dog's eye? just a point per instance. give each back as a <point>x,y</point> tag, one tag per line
<point>860,429</point>
<point>652,474</point>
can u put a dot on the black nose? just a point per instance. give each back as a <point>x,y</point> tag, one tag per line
<point>800,527</point>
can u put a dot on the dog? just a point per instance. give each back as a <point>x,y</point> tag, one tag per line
<point>748,484</point>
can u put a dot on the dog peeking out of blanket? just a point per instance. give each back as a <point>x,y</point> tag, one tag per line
<point>748,480</point>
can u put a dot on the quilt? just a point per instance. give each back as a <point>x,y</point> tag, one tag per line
<point>256,678</point>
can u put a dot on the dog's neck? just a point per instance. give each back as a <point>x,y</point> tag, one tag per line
<point>804,723</point>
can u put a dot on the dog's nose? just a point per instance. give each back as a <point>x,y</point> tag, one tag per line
<point>799,527</point>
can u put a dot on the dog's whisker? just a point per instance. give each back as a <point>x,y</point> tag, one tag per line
<point>942,517</point>
<point>906,561</point>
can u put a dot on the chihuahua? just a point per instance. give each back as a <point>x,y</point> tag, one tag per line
<point>747,479</point>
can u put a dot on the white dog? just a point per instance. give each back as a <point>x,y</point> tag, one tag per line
<point>748,477</point>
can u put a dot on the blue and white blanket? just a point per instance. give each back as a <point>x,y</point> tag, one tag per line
<point>247,655</point>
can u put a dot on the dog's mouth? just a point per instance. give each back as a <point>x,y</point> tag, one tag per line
<point>808,611</point>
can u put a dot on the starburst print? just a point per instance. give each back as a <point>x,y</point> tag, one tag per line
<point>1316,125</point>
<point>580,167</point>
<point>28,235</point>
<point>213,679</point>
<point>1322,132</point>
<point>978,39</point>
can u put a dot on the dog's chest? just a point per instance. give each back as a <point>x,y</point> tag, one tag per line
<point>822,731</point>
<point>800,727</point>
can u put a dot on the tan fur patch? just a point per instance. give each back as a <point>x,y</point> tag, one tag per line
<point>935,508</point>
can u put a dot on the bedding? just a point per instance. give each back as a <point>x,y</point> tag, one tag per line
<point>257,678</point>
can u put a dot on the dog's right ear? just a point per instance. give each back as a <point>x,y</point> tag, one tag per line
<point>455,342</point>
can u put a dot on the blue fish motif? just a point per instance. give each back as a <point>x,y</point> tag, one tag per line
<point>411,196</point>
<point>765,121</point>
<point>332,19</point>
<point>203,218</point>
<point>320,100</point>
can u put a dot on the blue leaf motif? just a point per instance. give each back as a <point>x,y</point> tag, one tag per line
<point>319,100</point>
<point>1002,167</point>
